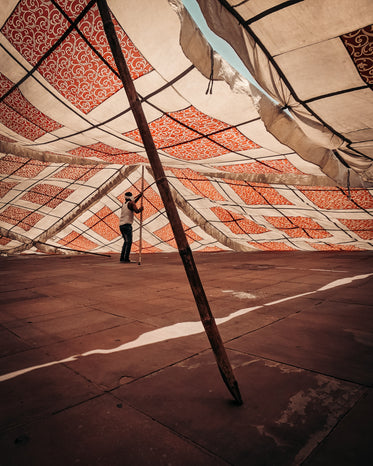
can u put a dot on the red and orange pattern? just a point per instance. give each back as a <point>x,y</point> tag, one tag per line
<point>77,241</point>
<point>105,223</point>
<point>192,135</point>
<point>334,247</point>
<point>108,154</point>
<point>166,132</point>
<point>197,183</point>
<point>146,247</point>
<point>272,246</point>
<point>257,193</point>
<point>363,228</point>
<point>78,70</point>
<point>298,227</point>
<point>5,187</point>
<point>20,116</point>
<point>359,45</point>
<point>238,224</point>
<point>21,217</point>
<point>78,173</point>
<point>336,198</point>
<point>166,234</point>
<point>47,195</point>
<point>73,68</point>
<point>20,167</point>
<point>269,166</point>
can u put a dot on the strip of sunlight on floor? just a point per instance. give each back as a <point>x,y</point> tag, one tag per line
<point>182,329</point>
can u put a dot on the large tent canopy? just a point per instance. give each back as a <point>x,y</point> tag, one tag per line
<point>282,162</point>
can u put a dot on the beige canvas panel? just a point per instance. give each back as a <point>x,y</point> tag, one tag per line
<point>311,22</point>
<point>7,6</point>
<point>347,112</point>
<point>222,104</point>
<point>153,26</point>
<point>254,7</point>
<point>320,69</point>
<point>256,131</point>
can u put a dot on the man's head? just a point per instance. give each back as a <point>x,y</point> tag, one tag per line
<point>128,196</point>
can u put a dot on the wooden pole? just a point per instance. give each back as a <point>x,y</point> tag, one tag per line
<point>185,252</point>
<point>141,217</point>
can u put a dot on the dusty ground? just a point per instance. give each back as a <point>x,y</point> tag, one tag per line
<point>301,351</point>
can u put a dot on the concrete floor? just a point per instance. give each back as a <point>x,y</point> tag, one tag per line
<point>302,357</point>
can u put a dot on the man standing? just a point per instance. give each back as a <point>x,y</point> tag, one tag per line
<point>125,223</point>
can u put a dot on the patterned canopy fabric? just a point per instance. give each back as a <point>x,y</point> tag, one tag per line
<point>282,165</point>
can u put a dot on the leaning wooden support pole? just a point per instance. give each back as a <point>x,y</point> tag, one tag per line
<point>207,318</point>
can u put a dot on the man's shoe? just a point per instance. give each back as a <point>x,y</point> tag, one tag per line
<point>126,261</point>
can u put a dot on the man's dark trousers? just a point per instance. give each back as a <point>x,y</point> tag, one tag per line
<point>126,231</point>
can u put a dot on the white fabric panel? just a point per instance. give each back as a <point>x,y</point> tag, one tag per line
<point>154,28</point>
<point>169,100</point>
<point>311,22</point>
<point>7,6</point>
<point>303,165</point>
<point>112,106</point>
<point>256,131</point>
<point>229,107</point>
<point>327,62</point>
<point>254,7</point>
<point>258,63</point>
<point>9,67</point>
<point>347,112</point>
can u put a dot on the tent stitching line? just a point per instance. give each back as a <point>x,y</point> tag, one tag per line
<point>208,136</point>
<point>181,75</point>
<point>235,221</point>
<point>54,228</point>
<point>355,202</point>
<point>102,219</point>
<point>123,112</point>
<point>9,175</point>
<point>110,183</point>
<point>304,199</point>
<point>76,28</point>
<point>161,213</point>
<point>342,161</point>
<point>270,10</point>
<point>51,50</point>
<point>99,125</point>
<point>228,7</point>
<point>332,94</point>
<point>36,183</point>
